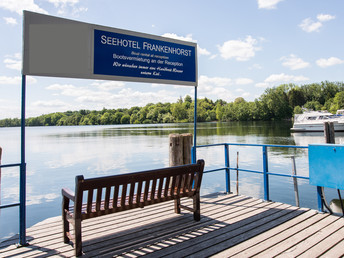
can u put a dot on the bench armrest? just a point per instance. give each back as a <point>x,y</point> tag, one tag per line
<point>66,192</point>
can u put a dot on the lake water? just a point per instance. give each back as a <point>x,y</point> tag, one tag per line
<point>55,155</point>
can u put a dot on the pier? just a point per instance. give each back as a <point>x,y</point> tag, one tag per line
<point>231,226</point>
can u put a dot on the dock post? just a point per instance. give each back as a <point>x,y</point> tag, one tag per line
<point>329,132</point>
<point>296,188</point>
<point>176,150</point>
<point>187,145</point>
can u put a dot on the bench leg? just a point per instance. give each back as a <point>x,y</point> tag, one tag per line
<point>65,229</point>
<point>77,239</point>
<point>65,223</point>
<point>177,205</point>
<point>197,207</point>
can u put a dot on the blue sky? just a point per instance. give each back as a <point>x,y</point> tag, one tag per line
<point>243,48</point>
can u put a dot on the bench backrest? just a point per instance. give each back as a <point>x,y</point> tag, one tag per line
<point>104,195</point>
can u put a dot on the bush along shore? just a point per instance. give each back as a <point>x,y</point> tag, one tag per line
<point>276,103</point>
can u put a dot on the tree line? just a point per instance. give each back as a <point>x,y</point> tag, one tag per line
<point>276,103</point>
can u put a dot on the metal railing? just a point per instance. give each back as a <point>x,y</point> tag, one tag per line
<point>265,172</point>
<point>8,166</point>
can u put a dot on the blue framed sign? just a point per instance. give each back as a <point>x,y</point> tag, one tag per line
<point>133,56</point>
<point>60,47</point>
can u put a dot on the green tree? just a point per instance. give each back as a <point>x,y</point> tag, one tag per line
<point>179,112</point>
<point>338,102</point>
<point>313,105</point>
<point>296,97</point>
<point>125,119</point>
<point>105,119</point>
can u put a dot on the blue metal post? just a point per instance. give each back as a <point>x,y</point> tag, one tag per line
<point>228,177</point>
<point>22,180</point>
<point>265,174</point>
<point>320,200</point>
<point>195,129</point>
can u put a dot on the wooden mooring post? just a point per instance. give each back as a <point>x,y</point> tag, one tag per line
<point>329,132</point>
<point>180,149</point>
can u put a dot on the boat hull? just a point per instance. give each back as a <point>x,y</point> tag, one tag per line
<point>319,127</point>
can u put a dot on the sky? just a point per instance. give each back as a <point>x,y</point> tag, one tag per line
<point>244,47</point>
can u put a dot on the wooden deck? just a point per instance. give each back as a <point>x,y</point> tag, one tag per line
<point>230,226</point>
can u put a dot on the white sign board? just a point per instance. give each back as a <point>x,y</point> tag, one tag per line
<point>65,48</point>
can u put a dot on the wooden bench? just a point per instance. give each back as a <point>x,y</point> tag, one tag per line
<point>106,195</point>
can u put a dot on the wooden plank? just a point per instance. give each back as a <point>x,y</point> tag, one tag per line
<point>230,226</point>
<point>152,209</point>
<point>325,246</point>
<point>251,214</point>
<point>295,235</point>
<point>303,246</point>
<point>335,251</point>
<point>234,232</point>
<point>282,235</point>
<point>292,219</point>
<point>155,230</point>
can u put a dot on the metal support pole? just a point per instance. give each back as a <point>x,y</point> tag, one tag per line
<point>22,180</point>
<point>320,199</point>
<point>195,129</point>
<point>296,188</point>
<point>265,174</point>
<point>228,176</point>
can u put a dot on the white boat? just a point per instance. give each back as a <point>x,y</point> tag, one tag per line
<point>313,121</point>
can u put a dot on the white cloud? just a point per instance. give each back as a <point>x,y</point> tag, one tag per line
<point>214,81</point>
<point>68,6</point>
<point>275,79</point>
<point>262,85</point>
<point>285,78</point>
<point>309,25</point>
<point>175,36</point>
<point>325,17</point>
<point>293,62</point>
<point>16,80</point>
<point>93,97</point>
<point>268,4</point>
<point>19,5</point>
<point>58,3</point>
<point>200,51</point>
<point>241,50</point>
<point>323,62</point>
<point>215,87</point>
<point>13,61</point>
<point>49,103</point>
<point>108,85</point>
<point>243,81</point>
<point>10,20</point>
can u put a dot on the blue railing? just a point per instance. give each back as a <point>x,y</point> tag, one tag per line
<point>227,168</point>
<point>10,204</point>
